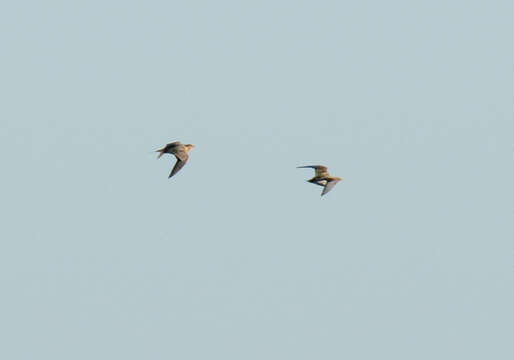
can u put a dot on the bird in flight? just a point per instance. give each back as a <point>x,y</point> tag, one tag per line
<point>180,151</point>
<point>322,178</point>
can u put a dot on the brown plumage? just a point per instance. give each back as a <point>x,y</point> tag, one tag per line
<point>322,178</point>
<point>180,151</point>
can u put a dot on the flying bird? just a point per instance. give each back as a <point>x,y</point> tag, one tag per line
<point>180,151</point>
<point>322,178</point>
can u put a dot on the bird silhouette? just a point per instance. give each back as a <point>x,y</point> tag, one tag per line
<point>180,151</point>
<point>322,178</point>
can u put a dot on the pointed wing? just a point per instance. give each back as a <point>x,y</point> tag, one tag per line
<point>329,186</point>
<point>181,161</point>
<point>320,170</point>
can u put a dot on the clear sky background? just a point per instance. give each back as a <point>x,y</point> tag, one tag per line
<point>411,256</point>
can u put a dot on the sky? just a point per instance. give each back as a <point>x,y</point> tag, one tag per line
<point>410,256</point>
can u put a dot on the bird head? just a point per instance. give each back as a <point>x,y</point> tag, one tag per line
<point>189,146</point>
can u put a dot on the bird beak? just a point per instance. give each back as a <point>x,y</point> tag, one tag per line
<point>159,151</point>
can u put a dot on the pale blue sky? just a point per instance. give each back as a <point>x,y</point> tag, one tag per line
<point>411,256</point>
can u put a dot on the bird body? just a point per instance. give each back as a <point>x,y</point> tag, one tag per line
<point>322,178</point>
<point>180,151</point>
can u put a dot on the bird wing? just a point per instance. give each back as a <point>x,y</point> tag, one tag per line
<point>320,170</point>
<point>329,186</point>
<point>168,148</point>
<point>181,153</point>
<point>181,161</point>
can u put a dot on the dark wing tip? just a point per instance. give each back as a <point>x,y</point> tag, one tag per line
<point>178,165</point>
<point>308,166</point>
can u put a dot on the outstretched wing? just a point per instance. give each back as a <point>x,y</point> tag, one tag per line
<point>181,161</point>
<point>320,170</point>
<point>181,153</point>
<point>329,186</point>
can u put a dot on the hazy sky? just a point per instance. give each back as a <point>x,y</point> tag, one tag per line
<point>411,256</point>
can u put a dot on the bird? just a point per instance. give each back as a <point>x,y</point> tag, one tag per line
<point>322,178</point>
<point>180,151</point>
